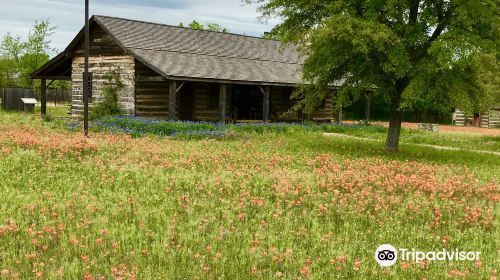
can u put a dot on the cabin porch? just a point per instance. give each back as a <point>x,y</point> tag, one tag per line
<point>208,101</point>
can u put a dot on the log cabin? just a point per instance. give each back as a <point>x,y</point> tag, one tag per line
<point>176,73</point>
<point>490,119</point>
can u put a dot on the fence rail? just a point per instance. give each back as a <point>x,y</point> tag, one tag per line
<point>11,97</point>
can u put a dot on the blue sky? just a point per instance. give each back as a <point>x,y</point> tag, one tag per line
<point>17,16</point>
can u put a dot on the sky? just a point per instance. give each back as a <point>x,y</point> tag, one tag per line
<point>18,16</point>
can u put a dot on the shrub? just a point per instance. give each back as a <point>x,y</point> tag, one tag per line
<point>108,106</point>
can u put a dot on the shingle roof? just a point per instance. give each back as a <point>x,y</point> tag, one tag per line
<point>178,52</point>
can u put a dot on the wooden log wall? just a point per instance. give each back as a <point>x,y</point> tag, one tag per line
<point>105,56</point>
<point>151,94</point>
<point>281,104</point>
<point>152,97</point>
<point>325,111</point>
<point>487,120</point>
<point>494,118</point>
<point>101,66</point>
<point>206,102</point>
<point>100,43</point>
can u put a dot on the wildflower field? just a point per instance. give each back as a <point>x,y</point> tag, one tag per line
<point>260,204</point>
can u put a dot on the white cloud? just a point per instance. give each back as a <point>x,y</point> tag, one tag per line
<point>18,16</point>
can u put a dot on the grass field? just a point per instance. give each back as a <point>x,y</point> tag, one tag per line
<point>461,140</point>
<point>262,205</point>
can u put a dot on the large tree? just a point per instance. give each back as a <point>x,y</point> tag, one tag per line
<point>408,50</point>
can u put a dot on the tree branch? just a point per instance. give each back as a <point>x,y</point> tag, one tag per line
<point>414,12</point>
<point>439,29</point>
<point>444,20</point>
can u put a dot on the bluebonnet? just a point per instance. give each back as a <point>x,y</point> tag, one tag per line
<point>206,129</point>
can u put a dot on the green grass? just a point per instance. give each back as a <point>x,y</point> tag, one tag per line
<point>269,204</point>
<point>447,139</point>
<point>138,126</point>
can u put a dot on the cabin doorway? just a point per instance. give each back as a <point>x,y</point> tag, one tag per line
<point>476,120</point>
<point>246,103</point>
<point>186,103</point>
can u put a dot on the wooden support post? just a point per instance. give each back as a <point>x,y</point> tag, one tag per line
<point>172,92</point>
<point>222,103</point>
<point>265,103</point>
<point>43,96</point>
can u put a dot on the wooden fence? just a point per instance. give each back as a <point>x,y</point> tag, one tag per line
<point>56,96</point>
<point>11,97</point>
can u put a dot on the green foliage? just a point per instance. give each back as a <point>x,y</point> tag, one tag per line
<point>19,58</point>
<point>216,28</point>
<point>61,84</point>
<point>269,35</point>
<point>417,53</point>
<point>108,104</point>
<point>3,70</point>
<point>210,26</point>
<point>196,25</point>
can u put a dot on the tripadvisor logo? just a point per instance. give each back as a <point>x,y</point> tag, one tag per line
<point>387,255</point>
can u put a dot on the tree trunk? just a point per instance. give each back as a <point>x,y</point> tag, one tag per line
<point>396,116</point>
<point>367,107</point>
<point>338,117</point>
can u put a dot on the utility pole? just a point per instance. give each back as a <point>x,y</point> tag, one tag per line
<point>86,73</point>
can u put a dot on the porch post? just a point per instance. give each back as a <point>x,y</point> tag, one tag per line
<point>265,104</point>
<point>222,103</point>
<point>172,91</point>
<point>43,96</point>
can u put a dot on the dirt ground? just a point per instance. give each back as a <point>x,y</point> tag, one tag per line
<point>448,128</point>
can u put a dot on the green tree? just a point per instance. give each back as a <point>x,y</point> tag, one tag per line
<point>404,49</point>
<point>37,50</point>
<point>18,58</point>
<point>3,78</point>
<point>210,26</point>
<point>11,50</point>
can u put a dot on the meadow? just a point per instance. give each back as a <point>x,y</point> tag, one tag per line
<point>251,203</point>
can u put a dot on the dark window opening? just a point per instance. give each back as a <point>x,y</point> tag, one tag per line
<point>246,103</point>
<point>286,98</point>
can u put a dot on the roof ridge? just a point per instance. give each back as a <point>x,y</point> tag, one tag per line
<point>187,28</point>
